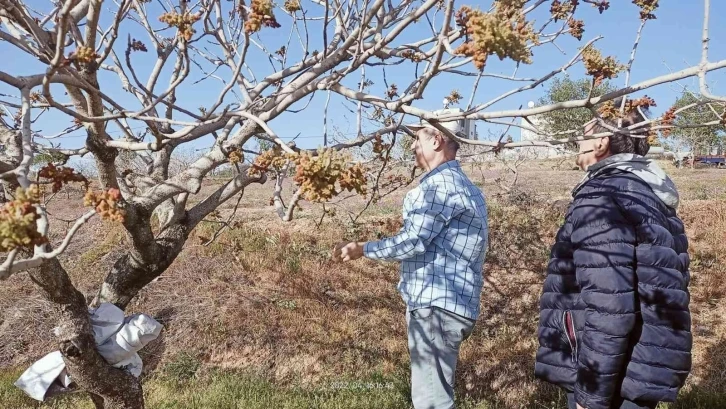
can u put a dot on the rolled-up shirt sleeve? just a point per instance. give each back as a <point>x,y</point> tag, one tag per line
<point>429,213</point>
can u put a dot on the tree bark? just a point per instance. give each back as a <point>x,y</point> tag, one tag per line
<point>134,270</point>
<point>118,389</point>
<point>10,157</point>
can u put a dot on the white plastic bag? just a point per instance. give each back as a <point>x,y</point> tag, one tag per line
<point>118,339</point>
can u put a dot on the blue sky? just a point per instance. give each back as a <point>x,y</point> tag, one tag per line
<point>669,43</point>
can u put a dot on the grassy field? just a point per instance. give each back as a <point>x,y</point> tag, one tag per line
<point>234,390</point>
<point>262,318</point>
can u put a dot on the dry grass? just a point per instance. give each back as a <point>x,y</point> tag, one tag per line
<point>266,300</point>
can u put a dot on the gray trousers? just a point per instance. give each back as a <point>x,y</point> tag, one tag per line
<point>434,338</point>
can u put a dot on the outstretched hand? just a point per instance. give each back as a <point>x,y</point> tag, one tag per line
<point>348,251</point>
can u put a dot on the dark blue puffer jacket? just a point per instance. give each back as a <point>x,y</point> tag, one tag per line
<point>614,314</point>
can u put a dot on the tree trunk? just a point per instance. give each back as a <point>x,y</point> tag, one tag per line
<point>132,271</point>
<point>118,389</point>
<point>693,157</point>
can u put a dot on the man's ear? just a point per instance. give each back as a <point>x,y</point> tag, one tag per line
<point>602,147</point>
<point>438,141</point>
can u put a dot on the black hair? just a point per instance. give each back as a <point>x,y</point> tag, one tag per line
<point>633,141</point>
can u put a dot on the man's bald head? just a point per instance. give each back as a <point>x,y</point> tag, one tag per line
<point>449,144</point>
<point>432,148</point>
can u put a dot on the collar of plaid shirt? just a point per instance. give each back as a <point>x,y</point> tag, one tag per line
<point>452,164</point>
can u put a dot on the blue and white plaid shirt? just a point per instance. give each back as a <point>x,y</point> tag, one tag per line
<point>442,243</point>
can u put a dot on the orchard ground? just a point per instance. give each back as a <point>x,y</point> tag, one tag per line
<point>262,318</point>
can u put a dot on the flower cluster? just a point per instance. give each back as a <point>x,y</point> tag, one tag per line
<point>647,7</point>
<point>61,175</point>
<point>504,32</point>
<point>669,118</point>
<point>317,174</point>
<point>292,6</point>
<point>354,178</point>
<point>577,28</point>
<point>106,204</point>
<point>235,155</point>
<point>379,147</point>
<point>609,110</point>
<point>272,159</point>
<point>137,45</point>
<point>560,10</point>
<point>84,55</point>
<point>412,55</point>
<point>600,67</point>
<point>260,15</point>
<point>18,218</point>
<point>183,22</point>
<point>36,97</point>
<point>454,97</point>
<point>601,5</point>
<point>392,91</point>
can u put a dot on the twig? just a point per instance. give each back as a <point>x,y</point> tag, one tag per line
<point>293,202</point>
<point>704,56</point>
<point>226,223</point>
<point>629,67</point>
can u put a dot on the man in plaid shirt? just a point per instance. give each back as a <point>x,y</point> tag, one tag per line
<point>441,248</point>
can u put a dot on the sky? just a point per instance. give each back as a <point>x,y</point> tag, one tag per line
<point>670,43</point>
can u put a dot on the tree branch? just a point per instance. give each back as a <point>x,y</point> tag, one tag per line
<point>221,195</point>
<point>9,267</point>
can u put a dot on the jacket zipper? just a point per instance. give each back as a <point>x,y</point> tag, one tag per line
<point>571,333</point>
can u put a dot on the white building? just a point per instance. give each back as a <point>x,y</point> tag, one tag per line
<point>467,126</point>
<point>528,133</point>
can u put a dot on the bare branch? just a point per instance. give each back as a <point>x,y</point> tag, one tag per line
<point>704,56</point>
<point>629,67</point>
<point>277,193</point>
<point>221,195</point>
<point>539,81</point>
<point>293,203</point>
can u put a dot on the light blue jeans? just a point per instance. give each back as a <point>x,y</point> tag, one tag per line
<point>434,338</point>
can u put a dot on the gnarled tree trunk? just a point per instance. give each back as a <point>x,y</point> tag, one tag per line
<point>113,388</point>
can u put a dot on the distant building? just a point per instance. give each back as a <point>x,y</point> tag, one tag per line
<point>527,133</point>
<point>467,125</point>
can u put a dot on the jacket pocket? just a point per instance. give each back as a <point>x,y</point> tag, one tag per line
<point>568,325</point>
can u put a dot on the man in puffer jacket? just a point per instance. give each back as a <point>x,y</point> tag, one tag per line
<point>614,327</point>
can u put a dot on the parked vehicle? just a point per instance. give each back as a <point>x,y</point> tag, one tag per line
<point>718,161</point>
<point>708,161</point>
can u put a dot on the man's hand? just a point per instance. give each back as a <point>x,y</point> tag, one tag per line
<point>580,407</point>
<point>348,251</point>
